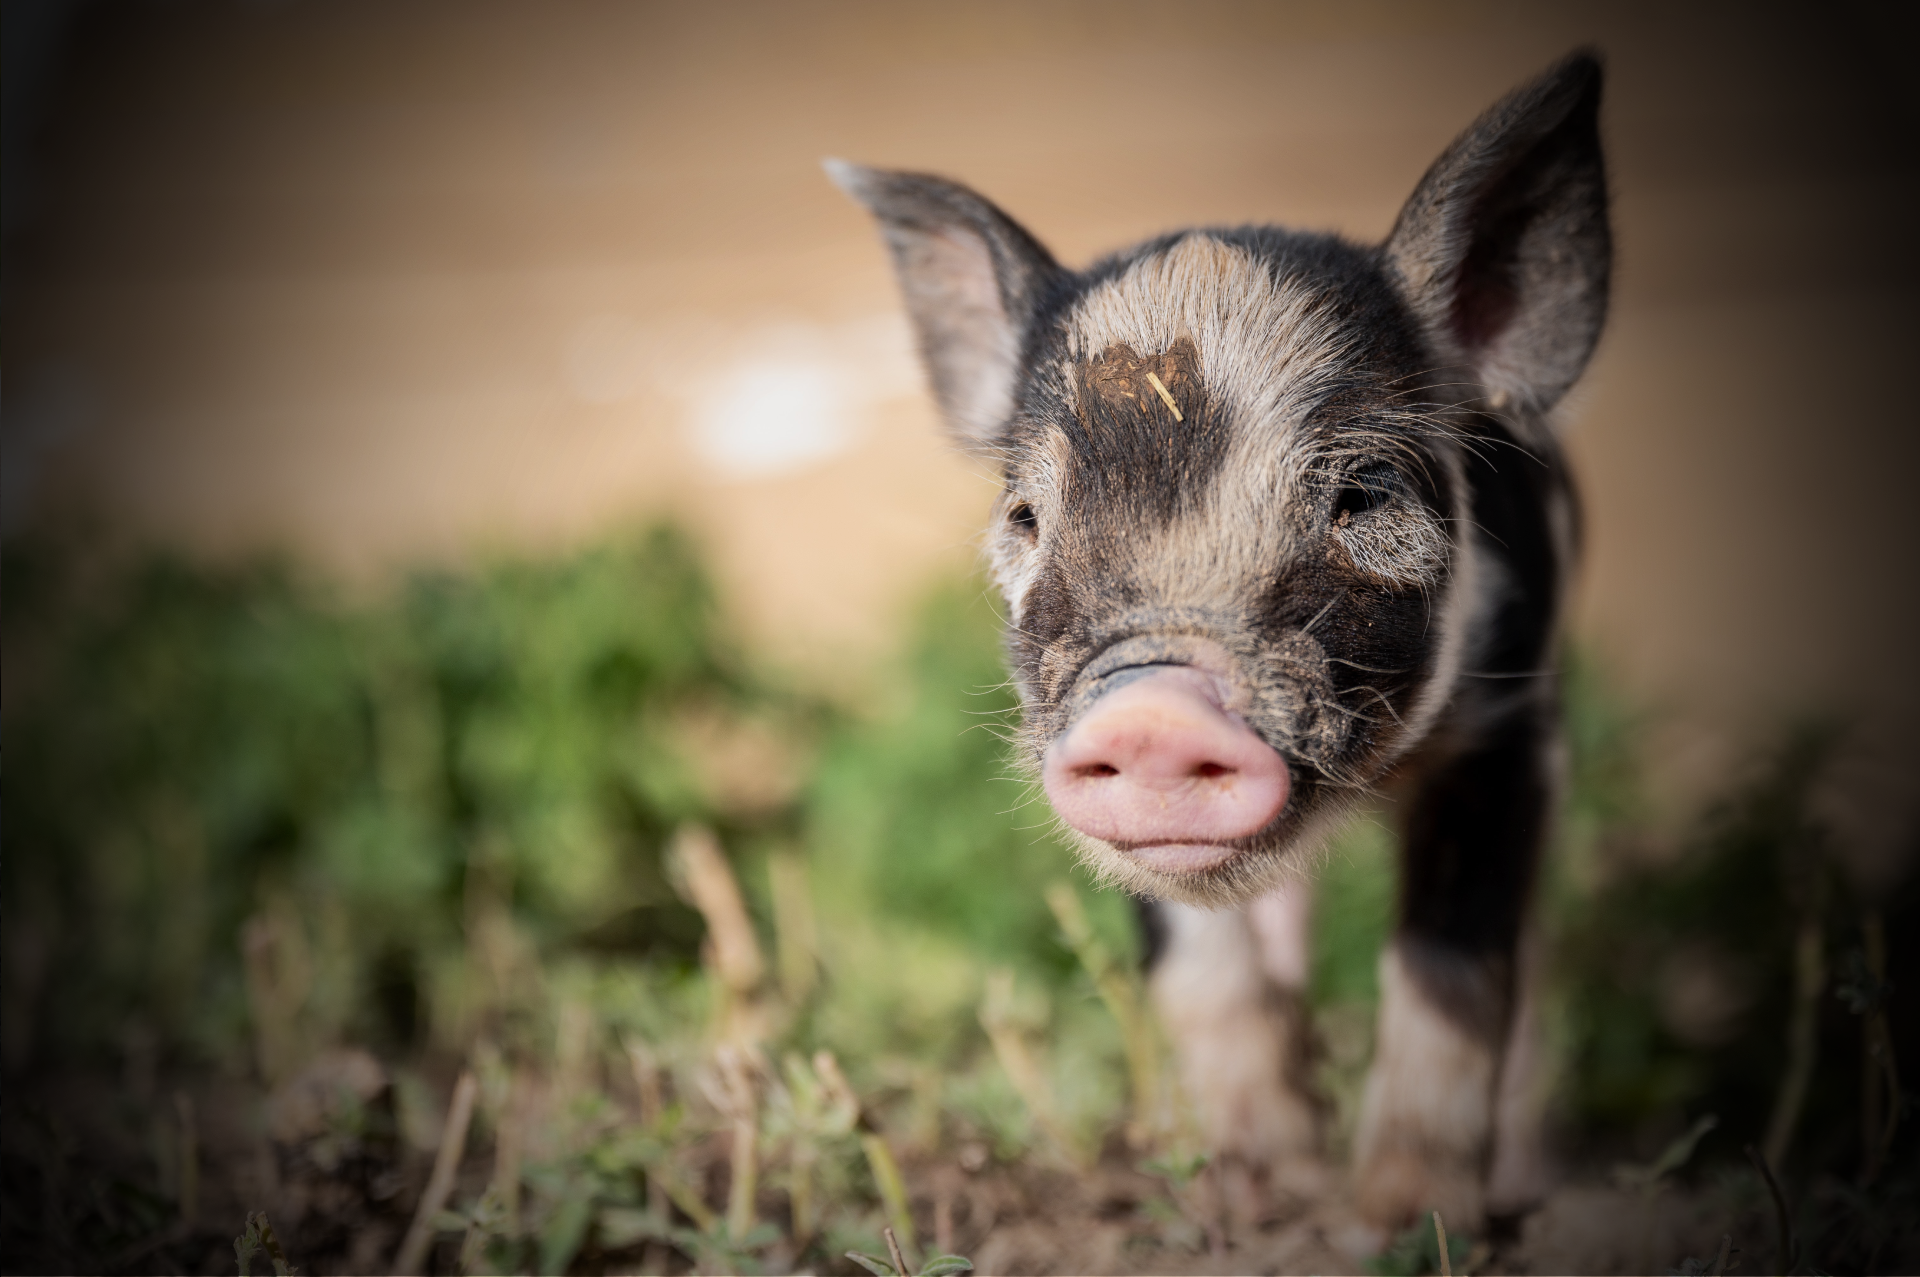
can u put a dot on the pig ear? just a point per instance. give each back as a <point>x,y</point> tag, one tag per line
<point>973,281</point>
<point>1504,250</point>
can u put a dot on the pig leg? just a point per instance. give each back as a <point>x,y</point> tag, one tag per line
<point>1518,1179</point>
<point>1230,990</point>
<point>1472,837</point>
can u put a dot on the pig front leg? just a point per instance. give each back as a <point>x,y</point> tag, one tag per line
<point>1230,989</point>
<point>1518,1178</point>
<point>1447,982</point>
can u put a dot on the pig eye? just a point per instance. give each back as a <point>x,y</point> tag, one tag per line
<point>1367,490</point>
<point>1024,520</point>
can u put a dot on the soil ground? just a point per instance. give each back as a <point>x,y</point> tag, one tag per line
<point>342,1206</point>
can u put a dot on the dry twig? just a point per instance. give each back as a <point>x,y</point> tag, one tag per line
<point>1880,1085</point>
<point>189,1157</point>
<point>1783,1222</point>
<point>453,1144</point>
<point>701,873</point>
<point>743,1105</point>
<point>1809,978</point>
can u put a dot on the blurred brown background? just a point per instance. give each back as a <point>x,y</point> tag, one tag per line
<point>380,284</point>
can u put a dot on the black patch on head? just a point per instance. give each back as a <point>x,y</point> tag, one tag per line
<point>1132,457</point>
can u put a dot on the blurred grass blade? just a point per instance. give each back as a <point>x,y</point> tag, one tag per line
<point>1022,1069</point>
<point>563,1235</point>
<point>893,1189</point>
<point>795,936</point>
<point>1120,988</point>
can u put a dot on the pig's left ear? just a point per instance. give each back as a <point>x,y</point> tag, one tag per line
<point>973,280</point>
<point>1504,251</point>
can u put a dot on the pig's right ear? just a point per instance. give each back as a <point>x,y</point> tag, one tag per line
<point>973,280</point>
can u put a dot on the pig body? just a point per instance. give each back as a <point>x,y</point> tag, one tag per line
<point>1285,525</point>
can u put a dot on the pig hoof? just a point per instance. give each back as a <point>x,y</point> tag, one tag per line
<point>1400,1187</point>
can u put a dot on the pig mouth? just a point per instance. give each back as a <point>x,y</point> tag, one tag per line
<point>1160,766</point>
<point>1181,859</point>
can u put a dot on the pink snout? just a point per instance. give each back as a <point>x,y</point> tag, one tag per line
<point>1159,768</point>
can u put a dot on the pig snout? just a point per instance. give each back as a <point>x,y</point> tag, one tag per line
<point>1159,768</point>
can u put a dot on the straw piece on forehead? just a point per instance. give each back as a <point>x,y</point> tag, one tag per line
<point>1166,395</point>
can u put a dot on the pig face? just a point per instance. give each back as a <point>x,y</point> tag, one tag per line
<point>1225,552</point>
<point>1236,538</point>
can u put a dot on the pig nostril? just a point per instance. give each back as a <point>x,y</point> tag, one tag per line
<point>1156,768</point>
